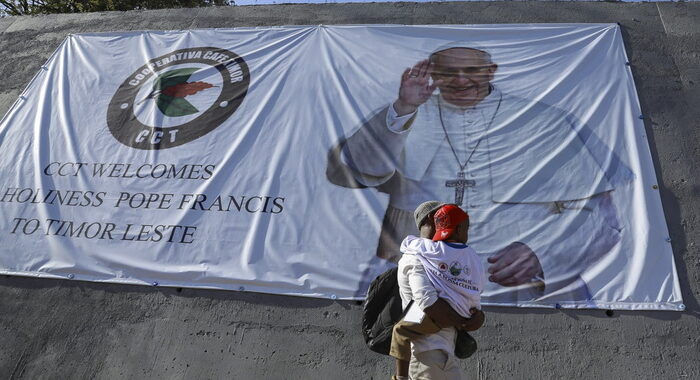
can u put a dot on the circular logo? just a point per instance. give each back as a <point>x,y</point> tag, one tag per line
<point>455,268</point>
<point>178,97</point>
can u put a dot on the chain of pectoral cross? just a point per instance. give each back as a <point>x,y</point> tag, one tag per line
<point>460,184</point>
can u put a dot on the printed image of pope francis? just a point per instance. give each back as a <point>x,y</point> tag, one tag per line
<point>537,184</point>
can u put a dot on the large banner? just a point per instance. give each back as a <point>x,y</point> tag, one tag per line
<point>290,160</point>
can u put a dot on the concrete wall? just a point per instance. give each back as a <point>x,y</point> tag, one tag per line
<point>64,329</point>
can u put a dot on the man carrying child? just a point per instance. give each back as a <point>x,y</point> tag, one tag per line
<point>443,268</point>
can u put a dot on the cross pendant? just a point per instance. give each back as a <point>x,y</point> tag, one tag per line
<point>459,184</point>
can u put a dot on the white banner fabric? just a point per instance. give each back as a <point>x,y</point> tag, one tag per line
<point>289,160</point>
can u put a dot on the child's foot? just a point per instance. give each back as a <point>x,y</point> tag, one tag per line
<point>465,346</point>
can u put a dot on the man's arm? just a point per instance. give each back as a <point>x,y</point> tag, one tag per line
<point>417,282</point>
<point>444,316</point>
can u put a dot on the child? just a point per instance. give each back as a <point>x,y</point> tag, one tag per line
<point>453,269</point>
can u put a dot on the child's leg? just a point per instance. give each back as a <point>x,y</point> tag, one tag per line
<point>401,347</point>
<point>401,337</point>
<point>401,368</point>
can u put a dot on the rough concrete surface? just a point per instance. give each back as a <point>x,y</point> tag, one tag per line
<point>78,330</point>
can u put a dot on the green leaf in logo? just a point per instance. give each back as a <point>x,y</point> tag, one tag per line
<point>170,105</point>
<point>173,107</point>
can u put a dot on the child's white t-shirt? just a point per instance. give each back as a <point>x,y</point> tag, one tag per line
<point>454,269</point>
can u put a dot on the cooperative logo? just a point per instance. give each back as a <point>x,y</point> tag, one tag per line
<point>178,97</point>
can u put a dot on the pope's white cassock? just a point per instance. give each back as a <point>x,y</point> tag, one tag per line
<point>523,170</point>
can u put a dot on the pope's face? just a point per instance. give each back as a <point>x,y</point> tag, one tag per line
<point>465,75</point>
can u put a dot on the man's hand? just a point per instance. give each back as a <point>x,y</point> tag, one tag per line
<point>415,88</point>
<point>514,265</point>
<point>444,316</point>
<point>475,322</point>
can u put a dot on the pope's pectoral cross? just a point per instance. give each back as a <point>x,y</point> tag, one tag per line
<point>460,184</point>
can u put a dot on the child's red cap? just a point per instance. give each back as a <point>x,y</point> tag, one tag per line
<point>447,218</point>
